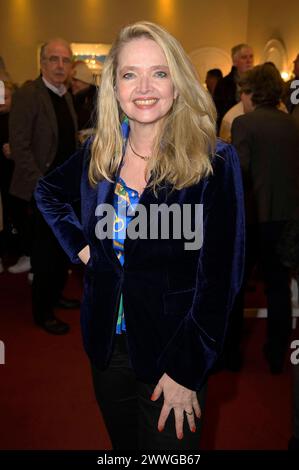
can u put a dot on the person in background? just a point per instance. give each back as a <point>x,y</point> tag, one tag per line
<point>212,78</point>
<point>154,310</point>
<point>238,110</point>
<point>84,94</point>
<point>267,142</point>
<point>42,136</point>
<point>227,120</point>
<point>226,93</point>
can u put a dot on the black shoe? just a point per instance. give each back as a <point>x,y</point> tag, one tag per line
<point>293,443</point>
<point>275,361</point>
<point>67,304</point>
<point>55,326</point>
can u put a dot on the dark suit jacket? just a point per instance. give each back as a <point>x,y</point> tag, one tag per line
<point>33,136</point>
<point>225,94</point>
<point>267,141</point>
<point>176,302</point>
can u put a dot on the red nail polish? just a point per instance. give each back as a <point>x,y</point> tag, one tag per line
<point>193,429</point>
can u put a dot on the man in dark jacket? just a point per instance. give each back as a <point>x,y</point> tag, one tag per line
<point>42,136</point>
<point>226,94</point>
<point>267,141</point>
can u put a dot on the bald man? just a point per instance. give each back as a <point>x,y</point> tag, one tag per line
<point>42,136</point>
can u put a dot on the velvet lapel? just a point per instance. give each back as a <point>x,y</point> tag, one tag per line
<point>105,195</point>
<point>147,198</point>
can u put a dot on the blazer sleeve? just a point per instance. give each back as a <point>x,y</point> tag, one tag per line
<point>199,339</point>
<point>55,195</point>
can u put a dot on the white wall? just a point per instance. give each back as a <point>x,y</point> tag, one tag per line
<point>269,19</point>
<point>24,24</point>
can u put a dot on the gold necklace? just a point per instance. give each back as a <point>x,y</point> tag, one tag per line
<point>146,158</point>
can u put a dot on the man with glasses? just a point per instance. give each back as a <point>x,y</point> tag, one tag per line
<point>42,136</point>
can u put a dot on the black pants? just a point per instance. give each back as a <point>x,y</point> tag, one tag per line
<point>262,241</point>
<point>130,416</point>
<point>50,266</point>
<point>6,172</point>
<point>22,219</point>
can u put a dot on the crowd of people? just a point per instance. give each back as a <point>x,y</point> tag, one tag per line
<point>41,126</point>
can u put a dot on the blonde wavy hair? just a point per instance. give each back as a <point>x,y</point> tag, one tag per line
<point>183,148</point>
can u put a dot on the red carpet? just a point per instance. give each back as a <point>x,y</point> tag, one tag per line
<point>46,396</point>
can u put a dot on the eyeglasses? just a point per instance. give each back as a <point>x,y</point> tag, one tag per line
<point>55,59</point>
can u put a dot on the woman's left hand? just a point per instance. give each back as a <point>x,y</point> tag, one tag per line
<point>181,399</point>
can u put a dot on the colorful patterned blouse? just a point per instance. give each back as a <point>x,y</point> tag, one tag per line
<point>125,203</point>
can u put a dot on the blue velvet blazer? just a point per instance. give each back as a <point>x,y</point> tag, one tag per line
<point>176,302</point>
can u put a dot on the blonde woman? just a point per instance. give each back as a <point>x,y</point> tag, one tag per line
<point>161,236</point>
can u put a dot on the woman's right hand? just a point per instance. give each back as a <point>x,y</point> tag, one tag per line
<point>84,254</point>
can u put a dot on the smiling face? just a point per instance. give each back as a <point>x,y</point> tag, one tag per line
<point>144,88</point>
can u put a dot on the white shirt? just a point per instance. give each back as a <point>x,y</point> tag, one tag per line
<point>60,91</point>
<point>226,123</point>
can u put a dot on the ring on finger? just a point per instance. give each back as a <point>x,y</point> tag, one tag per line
<point>189,413</point>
